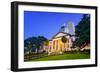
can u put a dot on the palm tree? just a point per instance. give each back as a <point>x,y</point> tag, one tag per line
<point>64,40</point>
<point>46,43</point>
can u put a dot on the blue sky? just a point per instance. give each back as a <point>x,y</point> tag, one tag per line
<point>47,24</point>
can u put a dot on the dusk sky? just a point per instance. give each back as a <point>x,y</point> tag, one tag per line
<point>46,24</point>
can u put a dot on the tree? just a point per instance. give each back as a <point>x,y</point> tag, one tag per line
<point>46,42</point>
<point>34,43</point>
<point>83,32</point>
<point>30,43</point>
<point>64,40</point>
<point>40,41</point>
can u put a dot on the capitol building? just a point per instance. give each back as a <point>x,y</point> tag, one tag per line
<point>56,45</point>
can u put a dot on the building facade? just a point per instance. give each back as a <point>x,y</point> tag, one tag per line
<point>56,45</point>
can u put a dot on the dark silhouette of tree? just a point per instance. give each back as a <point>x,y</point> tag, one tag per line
<point>64,40</point>
<point>83,32</point>
<point>46,42</point>
<point>34,43</point>
<point>40,41</point>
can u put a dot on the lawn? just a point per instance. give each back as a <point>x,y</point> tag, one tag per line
<point>65,56</point>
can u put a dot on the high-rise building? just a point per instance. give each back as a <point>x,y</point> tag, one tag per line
<point>71,28</point>
<point>63,28</point>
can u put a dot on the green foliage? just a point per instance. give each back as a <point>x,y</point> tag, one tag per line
<point>65,56</point>
<point>46,42</point>
<point>64,39</point>
<point>83,32</point>
<point>34,43</point>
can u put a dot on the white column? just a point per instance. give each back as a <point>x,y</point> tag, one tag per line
<point>55,45</point>
<point>52,46</point>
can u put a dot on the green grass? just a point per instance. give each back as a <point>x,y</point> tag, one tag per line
<point>64,57</point>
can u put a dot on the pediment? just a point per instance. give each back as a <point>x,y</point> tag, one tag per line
<point>60,34</point>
